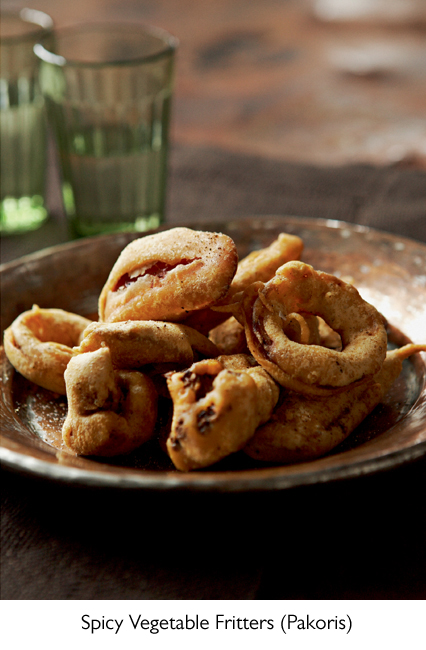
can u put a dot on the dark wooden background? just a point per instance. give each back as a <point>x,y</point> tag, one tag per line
<point>275,78</point>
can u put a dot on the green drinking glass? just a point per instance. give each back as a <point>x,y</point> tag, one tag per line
<point>108,90</point>
<point>23,121</point>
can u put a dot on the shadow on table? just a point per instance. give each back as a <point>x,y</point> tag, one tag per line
<point>358,539</point>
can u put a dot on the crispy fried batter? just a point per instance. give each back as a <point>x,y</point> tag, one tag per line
<point>109,412</point>
<point>39,345</point>
<point>167,275</point>
<point>261,265</point>
<point>302,328</point>
<point>256,266</point>
<point>137,343</point>
<point>313,369</point>
<point>240,361</point>
<point>327,336</point>
<point>303,428</point>
<point>216,410</point>
<point>309,331</point>
<point>229,337</point>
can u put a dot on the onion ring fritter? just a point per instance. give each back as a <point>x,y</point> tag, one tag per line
<point>110,412</point>
<point>166,275</point>
<point>39,345</point>
<point>137,343</point>
<point>302,428</point>
<point>216,411</point>
<point>256,266</point>
<point>313,369</point>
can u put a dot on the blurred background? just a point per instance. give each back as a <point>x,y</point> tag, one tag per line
<point>292,83</point>
<point>324,81</point>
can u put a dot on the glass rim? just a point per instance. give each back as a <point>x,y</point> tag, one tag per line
<point>169,41</point>
<point>43,24</point>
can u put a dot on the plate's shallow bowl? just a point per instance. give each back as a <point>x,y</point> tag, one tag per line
<point>389,271</point>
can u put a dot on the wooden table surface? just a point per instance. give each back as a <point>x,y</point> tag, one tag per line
<point>289,79</point>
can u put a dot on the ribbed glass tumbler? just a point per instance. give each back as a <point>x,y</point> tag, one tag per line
<point>23,122</point>
<point>108,90</point>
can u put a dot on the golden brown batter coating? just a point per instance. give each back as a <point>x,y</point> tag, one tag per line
<point>229,337</point>
<point>313,369</point>
<point>109,412</point>
<point>167,275</point>
<point>216,410</point>
<point>328,337</point>
<point>309,331</point>
<point>262,265</point>
<point>39,345</point>
<point>239,361</point>
<point>256,266</point>
<point>137,343</point>
<point>302,328</point>
<point>303,428</point>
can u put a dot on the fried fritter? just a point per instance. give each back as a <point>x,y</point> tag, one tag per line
<point>39,345</point>
<point>303,428</point>
<point>138,343</point>
<point>167,275</point>
<point>216,410</point>
<point>313,369</point>
<point>229,337</point>
<point>110,412</point>
<point>256,266</point>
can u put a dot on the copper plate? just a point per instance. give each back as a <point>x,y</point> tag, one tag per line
<point>389,271</point>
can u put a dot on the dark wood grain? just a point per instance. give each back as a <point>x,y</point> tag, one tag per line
<point>271,78</point>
